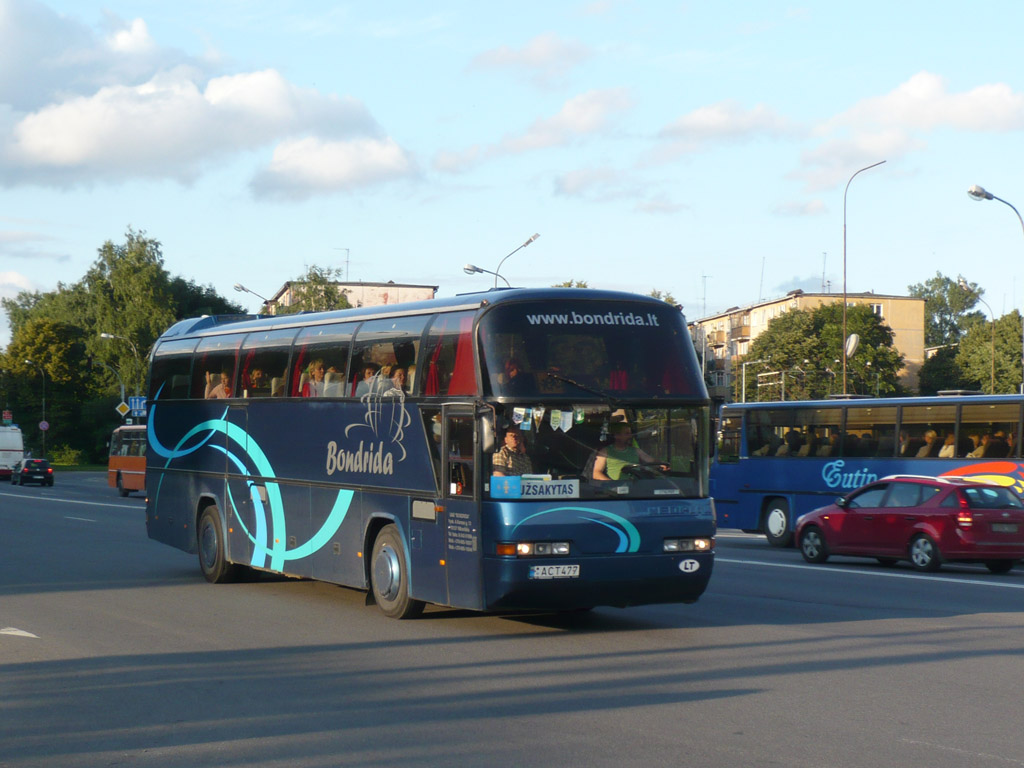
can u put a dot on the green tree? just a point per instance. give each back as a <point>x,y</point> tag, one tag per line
<point>315,291</point>
<point>572,284</point>
<point>947,308</point>
<point>975,355</point>
<point>942,371</point>
<point>803,349</point>
<point>665,296</point>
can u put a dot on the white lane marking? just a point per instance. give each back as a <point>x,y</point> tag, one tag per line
<point>17,632</point>
<point>880,574</point>
<point>83,519</point>
<point>964,752</point>
<point>68,501</point>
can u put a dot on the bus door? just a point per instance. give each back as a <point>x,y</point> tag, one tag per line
<point>461,501</point>
<point>238,513</point>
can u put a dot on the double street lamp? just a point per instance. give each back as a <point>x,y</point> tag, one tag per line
<point>135,351</point>
<point>472,269</point>
<point>980,193</point>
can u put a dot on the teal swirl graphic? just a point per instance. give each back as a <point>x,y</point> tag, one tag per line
<point>270,537</point>
<point>629,536</point>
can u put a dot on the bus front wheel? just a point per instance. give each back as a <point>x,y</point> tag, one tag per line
<point>389,576</point>
<point>212,560</point>
<point>776,523</point>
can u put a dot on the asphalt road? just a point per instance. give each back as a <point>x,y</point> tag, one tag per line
<point>115,651</point>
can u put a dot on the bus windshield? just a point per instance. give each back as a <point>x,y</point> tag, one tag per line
<point>587,348</point>
<point>598,451</point>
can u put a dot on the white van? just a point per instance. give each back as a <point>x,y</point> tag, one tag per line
<point>12,450</point>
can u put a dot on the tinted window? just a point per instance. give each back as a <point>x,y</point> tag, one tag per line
<point>573,348</point>
<point>992,498</point>
<point>216,361</point>
<point>320,361</point>
<point>384,355</point>
<point>172,366</point>
<point>449,356</point>
<point>871,497</point>
<point>903,495</point>
<point>264,362</point>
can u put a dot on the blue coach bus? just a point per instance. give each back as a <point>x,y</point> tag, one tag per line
<point>777,461</point>
<point>356,447</point>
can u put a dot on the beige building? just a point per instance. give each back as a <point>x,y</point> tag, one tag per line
<point>728,334</point>
<point>359,294</point>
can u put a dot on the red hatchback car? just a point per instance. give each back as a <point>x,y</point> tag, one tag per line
<point>926,520</point>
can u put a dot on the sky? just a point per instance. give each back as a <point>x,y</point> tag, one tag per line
<point>701,149</point>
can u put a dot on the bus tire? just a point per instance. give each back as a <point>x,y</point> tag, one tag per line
<point>812,545</point>
<point>210,543</point>
<point>389,576</point>
<point>776,523</point>
<point>120,486</point>
<point>924,554</point>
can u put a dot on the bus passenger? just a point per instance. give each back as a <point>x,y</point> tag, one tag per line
<point>219,386</point>
<point>511,459</point>
<point>368,385</point>
<point>314,385</point>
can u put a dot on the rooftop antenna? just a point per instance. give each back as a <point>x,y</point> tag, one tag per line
<point>824,260</point>
<point>760,288</point>
<point>346,261</point>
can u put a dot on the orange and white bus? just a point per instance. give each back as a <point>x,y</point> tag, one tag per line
<point>126,467</point>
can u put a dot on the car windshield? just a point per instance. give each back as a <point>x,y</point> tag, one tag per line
<point>599,451</point>
<point>988,497</point>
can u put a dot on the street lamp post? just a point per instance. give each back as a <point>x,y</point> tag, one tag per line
<point>471,269</point>
<point>242,289</point>
<point>980,193</point>
<point>43,426</point>
<point>135,351</point>
<point>965,287</point>
<point>843,342</point>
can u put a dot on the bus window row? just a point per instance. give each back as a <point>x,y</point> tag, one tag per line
<point>969,431</point>
<point>375,357</point>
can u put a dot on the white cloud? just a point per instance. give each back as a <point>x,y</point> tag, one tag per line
<point>585,115</point>
<point>305,166</point>
<point>546,59</point>
<point>169,126</point>
<point>924,103</point>
<point>725,121</point>
<point>133,38</point>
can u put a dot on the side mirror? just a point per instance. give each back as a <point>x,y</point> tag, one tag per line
<point>841,502</point>
<point>487,432</point>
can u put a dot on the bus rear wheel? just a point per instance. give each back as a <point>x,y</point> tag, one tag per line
<point>120,486</point>
<point>776,523</point>
<point>210,540</point>
<point>389,576</point>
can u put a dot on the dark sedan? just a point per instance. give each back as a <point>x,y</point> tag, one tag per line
<point>925,520</point>
<point>32,471</point>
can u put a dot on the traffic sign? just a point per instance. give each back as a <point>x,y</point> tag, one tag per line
<point>43,426</point>
<point>8,417</point>
<point>138,405</point>
<point>122,408</point>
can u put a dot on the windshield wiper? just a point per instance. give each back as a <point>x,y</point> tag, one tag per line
<point>586,388</point>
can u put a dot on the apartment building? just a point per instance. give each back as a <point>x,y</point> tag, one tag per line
<point>359,294</point>
<point>720,338</point>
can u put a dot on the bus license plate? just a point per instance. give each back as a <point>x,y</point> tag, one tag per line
<point>554,571</point>
<point>1004,527</point>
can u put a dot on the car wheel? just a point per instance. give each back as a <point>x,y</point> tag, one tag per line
<point>210,540</point>
<point>389,576</point>
<point>1000,566</point>
<point>50,482</point>
<point>888,562</point>
<point>120,486</point>
<point>924,553</point>
<point>776,523</point>
<point>812,545</point>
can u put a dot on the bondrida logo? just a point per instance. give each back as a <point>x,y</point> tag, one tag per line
<point>385,419</point>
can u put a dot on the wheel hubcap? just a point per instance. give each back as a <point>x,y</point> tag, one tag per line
<point>208,545</point>
<point>387,573</point>
<point>811,545</point>
<point>776,522</point>
<point>921,553</point>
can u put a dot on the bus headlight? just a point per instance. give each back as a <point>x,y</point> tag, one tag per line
<point>688,545</point>
<point>533,548</point>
